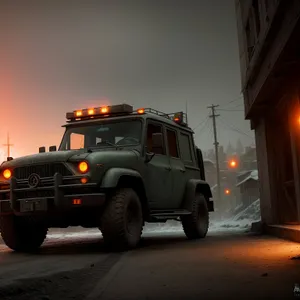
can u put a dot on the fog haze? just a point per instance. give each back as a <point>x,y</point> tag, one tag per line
<point>57,56</point>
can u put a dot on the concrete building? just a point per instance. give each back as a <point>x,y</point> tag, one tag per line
<point>268,35</point>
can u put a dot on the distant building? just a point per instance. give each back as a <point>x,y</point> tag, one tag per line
<point>268,34</point>
<point>248,187</point>
<point>210,172</point>
<point>248,159</point>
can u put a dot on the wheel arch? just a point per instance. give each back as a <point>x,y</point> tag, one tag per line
<point>193,187</point>
<point>120,178</point>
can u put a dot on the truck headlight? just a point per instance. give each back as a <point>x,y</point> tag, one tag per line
<point>83,167</point>
<point>7,174</point>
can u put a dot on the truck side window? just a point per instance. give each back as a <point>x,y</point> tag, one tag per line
<point>172,143</point>
<point>185,148</point>
<point>152,128</point>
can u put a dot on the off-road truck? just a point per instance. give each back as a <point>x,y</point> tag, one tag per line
<point>115,169</point>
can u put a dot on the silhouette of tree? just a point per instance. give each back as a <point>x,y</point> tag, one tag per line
<point>239,147</point>
<point>229,149</point>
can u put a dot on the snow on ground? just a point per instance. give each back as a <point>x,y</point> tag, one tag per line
<point>242,221</point>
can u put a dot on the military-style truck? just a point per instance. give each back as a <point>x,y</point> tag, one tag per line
<point>115,169</point>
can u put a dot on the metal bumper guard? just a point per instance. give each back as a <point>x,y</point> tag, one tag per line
<point>61,198</point>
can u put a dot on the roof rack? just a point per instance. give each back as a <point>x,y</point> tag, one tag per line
<point>178,116</point>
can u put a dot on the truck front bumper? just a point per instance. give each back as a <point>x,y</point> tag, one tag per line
<point>53,194</point>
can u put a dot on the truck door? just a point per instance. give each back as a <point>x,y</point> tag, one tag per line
<point>158,177</point>
<point>178,169</point>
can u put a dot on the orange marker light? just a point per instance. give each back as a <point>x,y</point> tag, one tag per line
<point>104,110</point>
<point>141,110</point>
<point>7,174</point>
<point>91,111</point>
<point>227,192</point>
<point>78,113</point>
<point>84,180</point>
<point>83,167</point>
<point>77,202</point>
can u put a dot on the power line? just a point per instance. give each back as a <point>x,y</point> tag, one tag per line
<point>199,124</point>
<point>234,100</point>
<point>230,110</point>
<point>233,128</point>
<point>204,126</point>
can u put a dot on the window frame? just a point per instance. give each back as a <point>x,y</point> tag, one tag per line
<point>191,162</point>
<point>168,128</point>
<point>155,123</point>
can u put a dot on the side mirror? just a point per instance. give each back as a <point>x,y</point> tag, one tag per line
<point>52,148</point>
<point>157,143</point>
<point>42,149</point>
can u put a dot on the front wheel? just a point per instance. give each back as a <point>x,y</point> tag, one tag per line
<point>22,234</point>
<point>196,224</point>
<point>122,220</point>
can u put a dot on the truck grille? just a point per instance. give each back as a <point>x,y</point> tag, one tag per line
<point>45,170</point>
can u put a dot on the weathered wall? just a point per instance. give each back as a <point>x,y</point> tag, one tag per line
<point>263,174</point>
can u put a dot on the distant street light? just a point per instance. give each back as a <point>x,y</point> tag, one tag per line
<point>227,191</point>
<point>232,163</point>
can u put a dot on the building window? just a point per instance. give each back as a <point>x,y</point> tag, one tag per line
<point>172,143</point>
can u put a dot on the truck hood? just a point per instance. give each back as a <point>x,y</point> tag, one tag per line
<point>49,157</point>
<point>65,156</point>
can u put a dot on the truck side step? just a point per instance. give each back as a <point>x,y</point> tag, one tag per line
<point>169,213</point>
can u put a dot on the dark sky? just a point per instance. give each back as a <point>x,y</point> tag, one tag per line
<point>57,56</point>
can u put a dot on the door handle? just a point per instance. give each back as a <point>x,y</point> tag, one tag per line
<point>182,170</point>
<point>168,168</point>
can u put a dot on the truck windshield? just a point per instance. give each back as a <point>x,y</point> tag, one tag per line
<point>104,134</point>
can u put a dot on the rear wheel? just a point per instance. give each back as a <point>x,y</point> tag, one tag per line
<point>122,220</point>
<point>195,225</point>
<point>22,234</point>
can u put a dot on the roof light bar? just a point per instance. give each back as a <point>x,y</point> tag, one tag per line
<point>141,111</point>
<point>178,117</point>
<point>99,111</point>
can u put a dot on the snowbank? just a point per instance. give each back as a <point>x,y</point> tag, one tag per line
<point>242,220</point>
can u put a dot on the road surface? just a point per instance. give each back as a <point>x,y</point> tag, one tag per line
<point>225,265</point>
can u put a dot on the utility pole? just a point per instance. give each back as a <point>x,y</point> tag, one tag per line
<point>216,143</point>
<point>8,145</point>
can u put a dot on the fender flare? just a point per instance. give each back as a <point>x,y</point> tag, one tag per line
<point>192,187</point>
<point>112,176</point>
